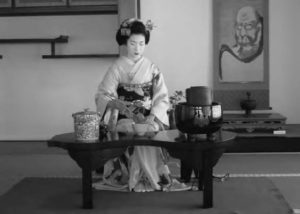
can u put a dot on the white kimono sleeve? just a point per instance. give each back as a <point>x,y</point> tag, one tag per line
<point>160,100</point>
<point>109,86</point>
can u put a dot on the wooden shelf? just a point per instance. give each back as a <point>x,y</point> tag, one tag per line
<point>60,39</point>
<point>64,56</point>
<point>52,42</point>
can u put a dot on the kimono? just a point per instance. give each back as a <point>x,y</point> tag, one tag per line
<point>141,168</point>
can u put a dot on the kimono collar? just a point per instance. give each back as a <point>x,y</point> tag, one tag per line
<point>131,62</point>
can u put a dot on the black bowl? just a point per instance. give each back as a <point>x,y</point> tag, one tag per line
<point>198,119</point>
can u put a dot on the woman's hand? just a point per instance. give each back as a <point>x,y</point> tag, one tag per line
<point>149,119</point>
<point>117,104</point>
<point>121,106</point>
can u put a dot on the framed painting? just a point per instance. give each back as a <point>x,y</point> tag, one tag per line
<point>40,3</point>
<point>241,33</point>
<point>93,2</point>
<point>5,3</point>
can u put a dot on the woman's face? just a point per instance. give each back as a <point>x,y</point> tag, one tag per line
<point>135,46</point>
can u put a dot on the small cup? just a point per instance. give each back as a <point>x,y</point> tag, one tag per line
<point>140,129</point>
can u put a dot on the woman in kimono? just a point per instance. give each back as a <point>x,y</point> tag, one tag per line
<point>133,91</point>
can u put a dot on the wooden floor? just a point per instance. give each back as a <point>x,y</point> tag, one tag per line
<point>34,159</point>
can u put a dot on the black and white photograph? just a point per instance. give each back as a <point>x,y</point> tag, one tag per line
<point>149,106</point>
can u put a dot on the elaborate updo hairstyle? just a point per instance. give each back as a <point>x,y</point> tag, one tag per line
<point>129,27</point>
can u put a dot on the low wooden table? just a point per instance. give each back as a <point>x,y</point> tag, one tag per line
<point>91,156</point>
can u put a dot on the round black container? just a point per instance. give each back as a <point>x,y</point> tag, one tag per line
<point>205,119</point>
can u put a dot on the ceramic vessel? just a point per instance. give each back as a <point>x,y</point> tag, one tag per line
<point>248,104</point>
<point>86,125</point>
<point>140,129</point>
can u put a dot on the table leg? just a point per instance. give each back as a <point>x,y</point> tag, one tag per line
<point>207,179</point>
<point>87,193</point>
<point>200,180</point>
<point>185,171</point>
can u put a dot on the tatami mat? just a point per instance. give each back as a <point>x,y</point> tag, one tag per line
<point>34,159</point>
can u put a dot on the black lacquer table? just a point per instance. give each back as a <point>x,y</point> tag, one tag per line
<point>196,152</point>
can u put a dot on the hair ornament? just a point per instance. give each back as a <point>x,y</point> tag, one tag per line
<point>125,27</point>
<point>125,31</point>
<point>126,24</point>
<point>149,25</point>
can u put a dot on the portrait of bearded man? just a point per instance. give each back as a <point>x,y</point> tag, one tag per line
<point>243,61</point>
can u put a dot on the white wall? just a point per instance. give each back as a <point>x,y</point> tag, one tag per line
<point>284,58</point>
<point>38,96</point>
<point>181,43</point>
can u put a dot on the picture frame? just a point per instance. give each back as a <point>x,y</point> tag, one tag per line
<point>39,3</point>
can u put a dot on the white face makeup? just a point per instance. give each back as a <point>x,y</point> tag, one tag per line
<point>136,46</point>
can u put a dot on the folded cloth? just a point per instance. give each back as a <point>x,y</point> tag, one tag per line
<point>175,186</point>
